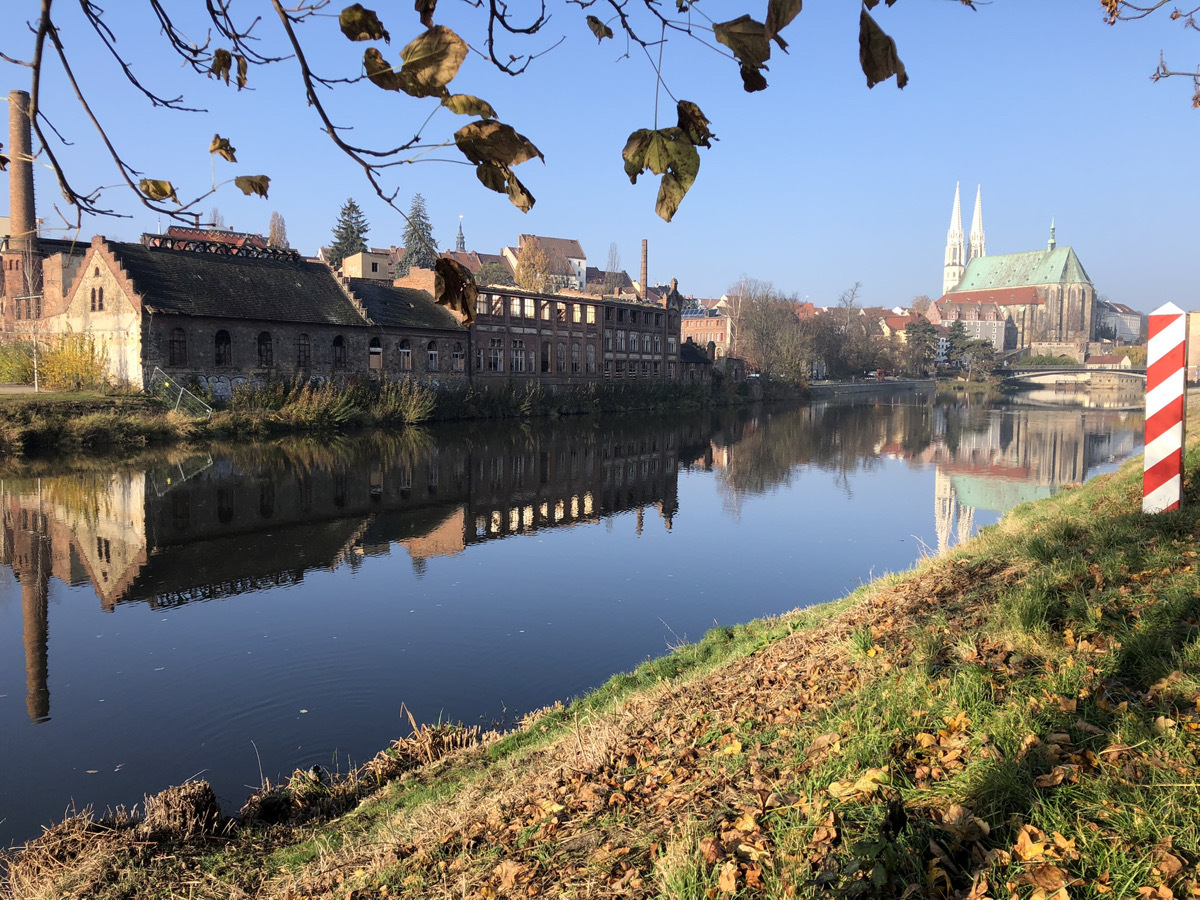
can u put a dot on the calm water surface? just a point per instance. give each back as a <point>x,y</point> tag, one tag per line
<point>274,605</point>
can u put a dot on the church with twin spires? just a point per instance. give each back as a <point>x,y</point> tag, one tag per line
<point>1046,294</point>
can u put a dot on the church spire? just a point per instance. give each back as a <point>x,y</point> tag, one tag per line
<point>978,247</point>
<point>1051,244</point>
<point>460,246</point>
<point>955,258</point>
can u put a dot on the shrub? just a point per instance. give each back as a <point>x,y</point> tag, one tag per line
<point>404,402</point>
<point>16,362</point>
<point>73,362</point>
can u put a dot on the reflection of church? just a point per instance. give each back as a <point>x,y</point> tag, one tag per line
<point>201,529</point>
<point>1017,456</point>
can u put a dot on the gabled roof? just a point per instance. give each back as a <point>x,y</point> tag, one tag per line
<point>397,307</point>
<point>1057,266</point>
<point>1106,359</point>
<point>190,283</point>
<point>691,352</point>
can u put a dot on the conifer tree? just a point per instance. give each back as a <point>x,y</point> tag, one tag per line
<point>349,234</point>
<point>419,246</point>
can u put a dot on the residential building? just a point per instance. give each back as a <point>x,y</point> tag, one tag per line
<point>1120,323</point>
<point>567,262</point>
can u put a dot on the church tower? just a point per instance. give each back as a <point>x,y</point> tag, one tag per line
<point>977,247</point>
<point>460,244</point>
<point>955,256</point>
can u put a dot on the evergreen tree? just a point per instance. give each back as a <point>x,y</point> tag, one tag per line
<point>349,235</point>
<point>419,247</point>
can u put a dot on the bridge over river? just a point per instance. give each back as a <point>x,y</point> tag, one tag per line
<point>1076,377</point>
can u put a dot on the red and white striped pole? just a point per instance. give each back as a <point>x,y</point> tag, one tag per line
<point>1166,384</point>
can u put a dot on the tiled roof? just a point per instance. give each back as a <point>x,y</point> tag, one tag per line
<point>1057,266</point>
<point>220,235</point>
<point>1008,296</point>
<point>183,282</point>
<point>398,307</point>
<point>1106,359</point>
<point>469,260</point>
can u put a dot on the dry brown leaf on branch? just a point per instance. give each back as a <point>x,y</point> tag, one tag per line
<point>454,288</point>
<point>746,38</point>
<point>599,29</point>
<point>221,146</point>
<point>361,24</point>
<point>253,184</point>
<point>157,189</point>
<point>466,105</point>
<point>431,60</point>
<point>779,14</point>
<point>877,53</point>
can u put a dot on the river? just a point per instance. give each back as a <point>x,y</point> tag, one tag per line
<point>238,613</point>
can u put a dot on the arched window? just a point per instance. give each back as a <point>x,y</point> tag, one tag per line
<point>100,300</point>
<point>431,357</point>
<point>575,358</point>
<point>375,355</point>
<point>591,359</point>
<point>93,299</point>
<point>177,348</point>
<point>339,352</point>
<point>405,356</point>
<point>459,357</point>
<point>224,348</point>
<point>266,350</point>
<point>303,352</point>
<point>561,357</point>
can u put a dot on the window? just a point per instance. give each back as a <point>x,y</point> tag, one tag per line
<point>303,352</point>
<point>224,348</point>
<point>620,368</point>
<point>545,305</point>
<point>177,348</point>
<point>431,357</point>
<point>93,299</point>
<point>658,320</point>
<point>656,368</point>
<point>514,307</point>
<point>561,357</point>
<point>496,355</point>
<point>658,343</point>
<point>645,368</point>
<point>405,356</point>
<point>670,370</point>
<point>620,315</point>
<point>545,356</point>
<point>607,367</point>
<point>375,355</point>
<point>608,339</point>
<point>374,267</point>
<point>633,317</point>
<point>518,356</point>
<point>339,352</point>
<point>478,359</point>
<point>458,357</point>
<point>99,300</point>
<point>575,357</point>
<point>608,314</point>
<point>497,305</point>
<point>634,345</point>
<point>266,350</point>
<point>577,313</point>
<point>671,345</point>
<point>591,315</point>
<point>560,312</point>
<point>591,359</point>
<point>96,272</point>
<point>529,308</point>
<point>621,341</point>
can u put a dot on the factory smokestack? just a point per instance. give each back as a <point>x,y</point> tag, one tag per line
<point>645,286</point>
<point>22,217</point>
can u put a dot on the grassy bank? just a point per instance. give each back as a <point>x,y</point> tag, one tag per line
<point>1019,718</point>
<point>66,423</point>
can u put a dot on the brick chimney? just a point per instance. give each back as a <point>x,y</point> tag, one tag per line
<point>645,286</point>
<point>22,252</point>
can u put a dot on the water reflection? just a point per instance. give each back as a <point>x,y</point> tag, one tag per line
<point>357,534</point>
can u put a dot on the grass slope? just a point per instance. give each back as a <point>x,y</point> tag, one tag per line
<point>1019,719</point>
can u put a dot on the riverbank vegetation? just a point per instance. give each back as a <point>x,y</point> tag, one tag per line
<point>1018,718</point>
<point>90,421</point>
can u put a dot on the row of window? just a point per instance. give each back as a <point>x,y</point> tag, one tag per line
<point>520,359</point>
<point>177,352</point>
<point>561,311</point>
<point>636,342</point>
<point>646,369</point>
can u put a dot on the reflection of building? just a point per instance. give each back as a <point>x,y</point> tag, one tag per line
<point>201,529</point>
<point>1017,456</point>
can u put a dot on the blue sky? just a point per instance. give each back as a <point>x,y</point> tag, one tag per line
<point>814,184</point>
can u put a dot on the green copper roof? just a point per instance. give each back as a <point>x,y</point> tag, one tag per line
<point>1057,266</point>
